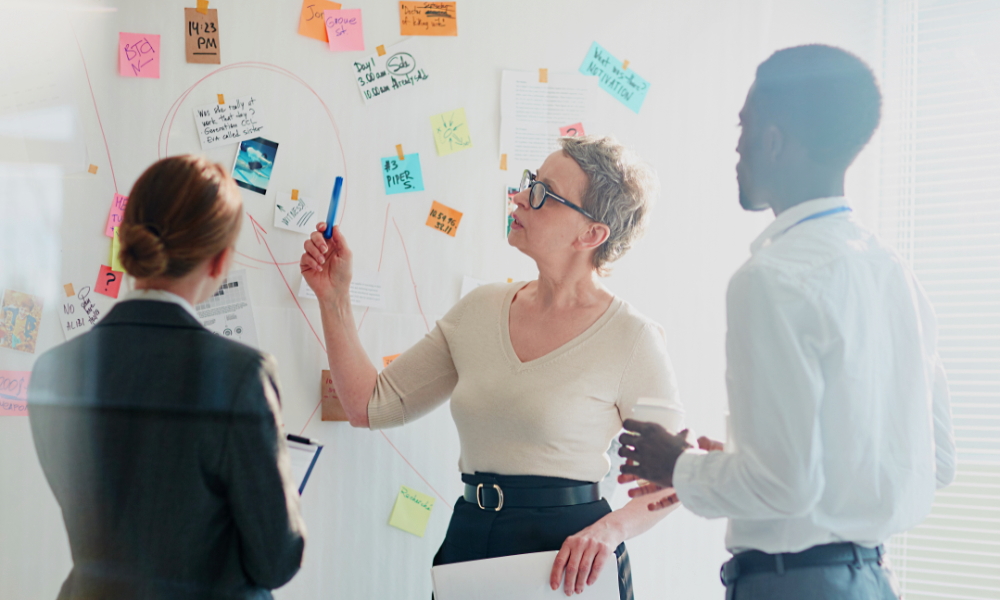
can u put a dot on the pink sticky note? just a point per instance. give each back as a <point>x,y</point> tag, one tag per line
<point>139,55</point>
<point>108,281</point>
<point>574,130</point>
<point>343,29</point>
<point>14,393</point>
<point>116,214</point>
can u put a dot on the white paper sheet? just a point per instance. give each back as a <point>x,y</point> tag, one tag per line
<point>302,457</point>
<point>299,215</point>
<point>366,289</point>
<point>228,312</point>
<point>78,313</point>
<point>519,577</point>
<point>229,123</point>
<point>531,113</point>
<point>401,67</point>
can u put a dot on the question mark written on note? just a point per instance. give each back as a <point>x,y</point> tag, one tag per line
<point>574,130</point>
<point>108,282</point>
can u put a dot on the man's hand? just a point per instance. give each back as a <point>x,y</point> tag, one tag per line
<point>652,452</point>
<point>710,445</point>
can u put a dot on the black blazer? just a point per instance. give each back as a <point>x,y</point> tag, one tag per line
<point>163,444</point>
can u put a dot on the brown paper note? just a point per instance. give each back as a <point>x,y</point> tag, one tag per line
<point>201,36</point>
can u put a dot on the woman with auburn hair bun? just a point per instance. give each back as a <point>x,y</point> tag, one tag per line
<point>162,442</point>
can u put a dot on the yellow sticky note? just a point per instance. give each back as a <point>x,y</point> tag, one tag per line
<point>451,132</point>
<point>444,218</point>
<point>412,511</point>
<point>116,265</point>
<point>428,18</point>
<point>311,20</point>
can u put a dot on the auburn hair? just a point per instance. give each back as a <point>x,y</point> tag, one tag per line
<point>182,211</point>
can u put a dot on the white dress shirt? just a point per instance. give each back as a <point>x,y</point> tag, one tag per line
<point>162,296</point>
<point>839,425</point>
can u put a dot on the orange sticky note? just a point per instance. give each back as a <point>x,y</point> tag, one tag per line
<point>380,50</point>
<point>333,410</point>
<point>202,7</point>
<point>543,75</point>
<point>503,162</point>
<point>68,288</point>
<point>444,218</point>
<point>92,170</point>
<point>388,359</point>
<point>428,18</point>
<point>312,22</point>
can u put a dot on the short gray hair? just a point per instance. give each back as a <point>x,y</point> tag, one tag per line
<point>620,192</point>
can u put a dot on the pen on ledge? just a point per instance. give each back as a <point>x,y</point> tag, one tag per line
<point>334,201</point>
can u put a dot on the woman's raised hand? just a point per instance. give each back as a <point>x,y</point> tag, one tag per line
<point>326,264</point>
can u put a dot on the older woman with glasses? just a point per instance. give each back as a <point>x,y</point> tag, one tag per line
<point>541,374</point>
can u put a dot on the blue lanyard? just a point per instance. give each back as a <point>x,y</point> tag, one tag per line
<point>820,215</point>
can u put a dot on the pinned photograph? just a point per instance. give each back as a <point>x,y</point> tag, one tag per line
<point>254,162</point>
<point>21,317</point>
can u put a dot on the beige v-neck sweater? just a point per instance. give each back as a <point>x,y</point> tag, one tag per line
<point>553,416</point>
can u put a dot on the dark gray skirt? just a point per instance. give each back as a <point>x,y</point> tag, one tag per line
<point>475,534</point>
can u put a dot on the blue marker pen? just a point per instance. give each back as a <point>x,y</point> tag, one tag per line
<point>334,201</point>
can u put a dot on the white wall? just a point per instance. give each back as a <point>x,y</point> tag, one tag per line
<point>700,58</point>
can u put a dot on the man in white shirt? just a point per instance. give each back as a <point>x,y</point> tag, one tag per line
<point>840,426</point>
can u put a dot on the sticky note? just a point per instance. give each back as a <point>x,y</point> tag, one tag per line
<point>625,85</point>
<point>116,214</point>
<point>108,282</point>
<point>139,55</point>
<point>311,21</point>
<point>389,72</point>
<point>574,130</point>
<point>412,511</point>
<point>343,29</point>
<point>401,176</point>
<point>428,18</point>
<point>443,218</point>
<point>78,313</point>
<point>221,124</point>
<point>388,359</point>
<point>201,36</point>
<point>451,132</point>
<point>21,316</point>
<point>333,410</point>
<point>116,264</point>
<point>14,393</point>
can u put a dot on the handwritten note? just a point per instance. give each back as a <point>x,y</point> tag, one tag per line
<point>365,290</point>
<point>14,393</point>
<point>221,124</point>
<point>116,263</point>
<point>108,282</point>
<point>443,218</point>
<point>116,214</point>
<point>401,176</point>
<point>21,316</point>
<point>311,20</point>
<point>412,511</point>
<point>299,215</point>
<point>574,130</point>
<point>333,410</point>
<point>201,38</point>
<point>428,18</point>
<point>79,313</point>
<point>625,85</point>
<point>139,55</point>
<point>381,76</point>
<point>451,132</point>
<point>343,29</point>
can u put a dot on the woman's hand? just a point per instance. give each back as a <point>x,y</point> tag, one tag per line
<point>326,264</point>
<point>583,555</point>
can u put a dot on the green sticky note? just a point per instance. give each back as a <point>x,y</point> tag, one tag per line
<point>116,265</point>
<point>451,132</point>
<point>411,511</point>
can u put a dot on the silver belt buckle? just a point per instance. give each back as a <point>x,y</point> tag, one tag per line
<point>479,497</point>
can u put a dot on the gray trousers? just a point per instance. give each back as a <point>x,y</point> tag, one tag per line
<point>835,582</point>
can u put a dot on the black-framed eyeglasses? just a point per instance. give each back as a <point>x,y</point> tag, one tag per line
<point>539,192</point>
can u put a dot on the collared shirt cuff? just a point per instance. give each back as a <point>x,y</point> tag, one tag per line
<point>685,484</point>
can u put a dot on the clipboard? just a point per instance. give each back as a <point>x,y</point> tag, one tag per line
<point>303,453</point>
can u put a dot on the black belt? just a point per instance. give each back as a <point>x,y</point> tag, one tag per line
<point>754,561</point>
<point>488,494</point>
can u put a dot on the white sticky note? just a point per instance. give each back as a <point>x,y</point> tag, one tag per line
<point>229,123</point>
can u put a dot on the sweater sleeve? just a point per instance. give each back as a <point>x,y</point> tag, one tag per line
<point>648,374</point>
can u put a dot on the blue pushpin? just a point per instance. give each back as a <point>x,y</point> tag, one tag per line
<point>334,201</point>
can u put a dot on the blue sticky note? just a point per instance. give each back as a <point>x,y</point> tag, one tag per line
<point>400,176</point>
<point>625,85</point>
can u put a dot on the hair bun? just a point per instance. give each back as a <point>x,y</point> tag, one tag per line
<point>143,253</point>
